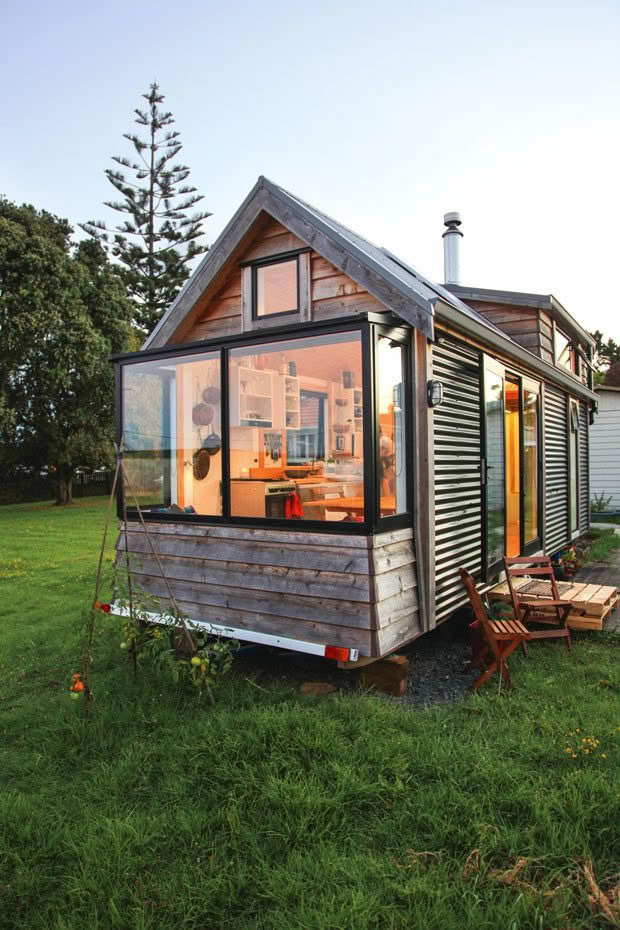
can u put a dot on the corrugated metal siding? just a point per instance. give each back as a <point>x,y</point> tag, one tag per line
<point>584,468</point>
<point>457,472</point>
<point>556,470</point>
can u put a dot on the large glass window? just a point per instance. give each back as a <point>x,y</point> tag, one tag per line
<point>513,469</point>
<point>391,458</point>
<point>172,434</point>
<point>494,477</point>
<point>275,288</point>
<point>530,465</point>
<point>296,429</point>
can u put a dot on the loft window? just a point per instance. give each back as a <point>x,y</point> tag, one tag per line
<point>275,287</point>
<point>565,355</point>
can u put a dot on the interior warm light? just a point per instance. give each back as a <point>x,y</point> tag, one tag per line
<point>337,652</point>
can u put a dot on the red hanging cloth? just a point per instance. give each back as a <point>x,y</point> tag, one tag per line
<point>292,507</point>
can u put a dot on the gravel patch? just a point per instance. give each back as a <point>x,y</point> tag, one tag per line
<point>437,663</point>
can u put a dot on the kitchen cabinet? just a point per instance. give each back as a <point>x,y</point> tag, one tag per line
<point>251,397</point>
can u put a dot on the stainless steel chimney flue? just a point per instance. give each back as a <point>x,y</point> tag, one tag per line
<point>451,248</point>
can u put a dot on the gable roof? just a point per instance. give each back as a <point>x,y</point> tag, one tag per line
<point>402,289</point>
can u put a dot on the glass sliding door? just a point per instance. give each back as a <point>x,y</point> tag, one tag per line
<point>531,464</point>
<point>493,466</point>
<point>513,467</point>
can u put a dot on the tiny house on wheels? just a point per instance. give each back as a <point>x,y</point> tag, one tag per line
<point>319,436</point>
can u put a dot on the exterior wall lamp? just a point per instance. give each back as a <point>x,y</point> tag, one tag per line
<point>434,393</point>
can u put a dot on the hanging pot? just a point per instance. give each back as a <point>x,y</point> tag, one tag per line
<point>211,395</point>
<point>202,414</point>
<point>201,464</point>
<point>212,443</point>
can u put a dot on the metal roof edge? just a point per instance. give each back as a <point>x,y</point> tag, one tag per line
<point>294,203</point>
<point>209,257</point>
<point>467,324</point>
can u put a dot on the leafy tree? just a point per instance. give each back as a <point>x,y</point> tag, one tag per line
<point>606,351</point>
<point>62,311</point>
<point>157,241</point>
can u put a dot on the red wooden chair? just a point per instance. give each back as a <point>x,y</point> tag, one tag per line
<point>500,636</point>
<point>548,608</point>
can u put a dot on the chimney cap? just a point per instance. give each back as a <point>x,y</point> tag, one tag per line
<point>452,219</point>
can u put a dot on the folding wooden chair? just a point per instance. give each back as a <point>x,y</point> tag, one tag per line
<point>501,637</point>
<point>548,607</point>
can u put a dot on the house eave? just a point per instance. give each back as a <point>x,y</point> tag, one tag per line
<point>523,299</point>
<point>490,338</point>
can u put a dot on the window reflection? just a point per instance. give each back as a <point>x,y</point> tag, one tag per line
<point>494,404</point>
<point>276,288</point>
<point>530,464</point>
<point>296,429</point>
<point>513,471</point>
<point>391,454</point>
<point>172,434</point>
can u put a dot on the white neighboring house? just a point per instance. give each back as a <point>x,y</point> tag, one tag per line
<point>605,440</point>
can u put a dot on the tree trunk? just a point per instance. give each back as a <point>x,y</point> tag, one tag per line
<point>64,491</point>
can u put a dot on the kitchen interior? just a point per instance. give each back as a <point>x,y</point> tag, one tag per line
<point>296,429</point>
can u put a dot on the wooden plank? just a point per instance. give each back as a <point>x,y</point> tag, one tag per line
<point>248,576</point>
<point>397,634</point>
<point>346,306</point>
<point>305,288</point>
<point>584,596</point>
<point>278,537</point>
<point>313,557</point>
<point>384,539</point>
<point>393,582</point>
<point>391,609</point>
<point>393,556</point>
<point>263,247</point>
<point>337,286</point>
<point>276,604</point>
<point>330,634</point>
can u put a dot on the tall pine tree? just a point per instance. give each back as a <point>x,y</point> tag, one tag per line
<point>157,240</point>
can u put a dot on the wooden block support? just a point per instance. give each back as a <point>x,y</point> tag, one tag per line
<point>388,675</point>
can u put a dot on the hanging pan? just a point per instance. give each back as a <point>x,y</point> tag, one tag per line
<point>202,414</point>
<point>201,464</point>
<point>211,395</point>
<point>212,443</point>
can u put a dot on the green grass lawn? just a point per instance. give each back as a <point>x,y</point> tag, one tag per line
<point>281,812</point>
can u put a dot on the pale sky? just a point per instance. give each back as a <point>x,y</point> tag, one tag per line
<point>384,115</point>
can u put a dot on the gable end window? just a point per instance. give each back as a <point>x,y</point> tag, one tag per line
<point>275,287</point>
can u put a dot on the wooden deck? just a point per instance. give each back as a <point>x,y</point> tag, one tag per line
<point>592,603</point>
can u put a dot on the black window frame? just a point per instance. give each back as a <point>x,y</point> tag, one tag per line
<point>369,326</point>
<point>279,259</point>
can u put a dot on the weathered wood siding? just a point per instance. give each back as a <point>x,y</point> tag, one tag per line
<point>220,316</point>
<point>529,326</point>
<point>335,294</point>
<point>457,489</point>
<point>344,590</point>
<point>332,293</point>
<point>605,448</point>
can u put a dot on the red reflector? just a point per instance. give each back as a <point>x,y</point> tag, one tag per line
<point>337,652</point>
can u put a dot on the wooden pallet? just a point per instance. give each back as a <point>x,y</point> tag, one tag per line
<point>592,603</point>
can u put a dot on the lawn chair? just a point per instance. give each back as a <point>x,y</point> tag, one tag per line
<point>548,607</point>
<point>499,637</point>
